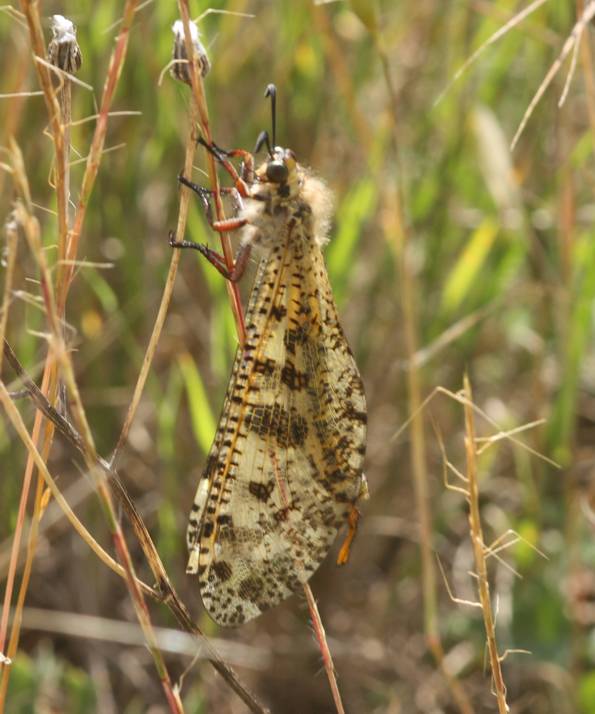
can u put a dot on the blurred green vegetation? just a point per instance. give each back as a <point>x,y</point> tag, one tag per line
<point>503,261</point>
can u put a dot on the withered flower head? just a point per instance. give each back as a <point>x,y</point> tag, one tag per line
<point>63,50</point>
<point>179,68</point>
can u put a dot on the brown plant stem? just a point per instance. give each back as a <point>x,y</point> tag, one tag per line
<point>477,542</point>
<point>165,592</point>
<point>94,158</point>
<point>49,381</point>
<point>198,93</point>
<point>32,232</point>
<point>11,246</point>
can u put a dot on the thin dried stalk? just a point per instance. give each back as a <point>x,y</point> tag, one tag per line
<point>64,53</point>
<point>327,659</point>
<point>397,234</point>
<point>166,592</point>
<point>11,247</point>
<point>571,44</point>
<point>587,67</point>
<point>11,229</point>
<point>198,93</point>
<point>49,382</point>
<point>31,13</point>
<point>479,550</point>
<point>95,153</point>
<point>165,298</point>
<point>31,227</point>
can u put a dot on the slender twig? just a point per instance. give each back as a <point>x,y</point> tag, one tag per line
<point>11,246</point>
<point>166,592</point>
<point>571,41</point>
<point>198,93</point>
<point>96,151</point>
<point>165,298</point>
<point>399,237</point>
<point>32,233</point>
<point>49,381</point>
<point>11,228</point>
<point>500,32</point>
<point>479,550</point>
<point>327,659</point>
<point>64,53</point>
<point>587,67</point>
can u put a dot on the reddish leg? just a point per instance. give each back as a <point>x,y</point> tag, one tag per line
<point>222,156</point>
<point>352,520</point>
<point>216,260</point>
<point>205,193</point>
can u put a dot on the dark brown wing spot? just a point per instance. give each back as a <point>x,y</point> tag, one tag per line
<point>250,588</point>
<point>288,428</point>
<point>293,378</point>
<point>222,570</point>
<point>261,491</point>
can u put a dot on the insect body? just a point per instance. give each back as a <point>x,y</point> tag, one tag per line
<point>285,470</point>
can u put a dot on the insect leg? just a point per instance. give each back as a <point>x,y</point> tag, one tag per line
<point>205,193</point>
<point>216,260</point>
<point>223,156</point>
<point>352,521</point>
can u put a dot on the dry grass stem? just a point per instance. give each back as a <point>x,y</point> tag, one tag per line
<point>462,399</point>
<point>11,231</point>
<point>500,32</point>
<point>166,591</point>
<point>327,659</point>
<point>572,41</point>
<point>587,70</point>
<point>479,552</point>
<point>128,634</point>
<point>96,151</point>
<point>398,235</point>
<point>166,296</point>
<point>198,94</point>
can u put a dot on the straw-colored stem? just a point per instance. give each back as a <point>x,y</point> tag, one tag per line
<point>400,238</point>
<point>198,93</point>
<point>64,101</point>
<point>587,66</point>
<point>165,298</point>
<point>94,158</point>
<point>166,592</point>
<point>31,12</point>
<point>11,257</point>
<point>479,552</point>
<point>11,246</point>
<point>91,458</point>
<point>327,659</point>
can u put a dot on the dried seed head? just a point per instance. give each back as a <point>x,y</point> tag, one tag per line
<point>63,50</point>
<point>179,68</point>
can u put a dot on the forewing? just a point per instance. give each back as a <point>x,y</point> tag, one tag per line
<point>286,465</point>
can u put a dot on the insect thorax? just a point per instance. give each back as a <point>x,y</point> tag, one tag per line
<point>272,222</point>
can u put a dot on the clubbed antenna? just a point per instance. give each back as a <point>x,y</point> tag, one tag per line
<point>271,91</point>
<point>263,140</point>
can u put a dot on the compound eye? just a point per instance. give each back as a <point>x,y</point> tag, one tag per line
<point>277,172</point>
